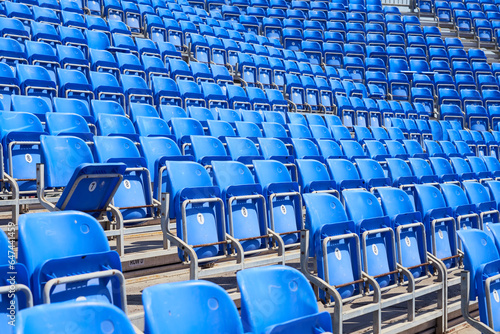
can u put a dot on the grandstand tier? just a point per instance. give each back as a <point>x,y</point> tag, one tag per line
<point>325,166</point>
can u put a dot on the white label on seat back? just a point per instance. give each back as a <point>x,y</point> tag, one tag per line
<point>283,209</point>
<point>375,249</point>
<point>495,296</point>
<point>244,212</point>
<point>92,186</point>
<point>126,183</point>
<point>408,241</point>
<point>440,233</point>
<point>200,218</point>
<point>338,254</point>
<point>28,158</point>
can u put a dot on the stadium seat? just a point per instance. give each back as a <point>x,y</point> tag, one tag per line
<point>255,284</point>
<point>44,248</point>
<point>58,317</point>
<point>438,221</point>
<point>159,297</point>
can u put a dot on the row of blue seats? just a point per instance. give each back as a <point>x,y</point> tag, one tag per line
<point>102,302</point>
<point>40,23</point>
<point>80,228</point>
<point>426,228</point>
<point>385,279</point>
<point>190,136</point>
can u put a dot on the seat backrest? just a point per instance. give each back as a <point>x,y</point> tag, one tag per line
<point>272,147</point>
<point>329,149</point>
<point>369,170</point>
<point>310,171</point>
<point>182,127</point>
<point>259,286</point>
<point>441,166</point>
<point>479,249</point>
<point>320,131</point>
<point>115,147</point>
<point>270,171</point>
<point>361,205</point>
<point>241,147</point>
<point>115,125</point>
<point>476,192</point>
<point>492,163</point>
<point>303,148</point>
<point>341,169</point>
<point>229,173</point>
<point>74,105</point>
<point>454,195</point>
<point>61,123</point>
<point>61,156</point>
<point>191,306</point>
<point>477,165</point>
<point>352,149</point>
<point>106,107</point>
<point>428,198</point>
<point>248,129</point>
<point>207,146</point>
<point>154,148</point>
<point>395,148</point>
<point>151,126</point>
<point>220,129</point>
<point>88,317</point>
<point>46,236</point>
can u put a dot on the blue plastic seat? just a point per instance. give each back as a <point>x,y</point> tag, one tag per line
<point>12,52</point>
<point>106,87</point>
<point>441,237</point>
<point>191,94</point>
<point>74,84</point>
<point>47,33</point>
<point>68,124</point>
<point>103,61</point>
<point>134,194</point>
<point>255,284</point>
<point>284,214</point>
<point>166,92</point>
<point>412,252</point>
<point>58,317</point>
<point>36,81</point>
<point>484,204</point>
<point>44,248</point>
<point>481,261</point>
<point>364,209</point>
<point>243,149</point>
<point>156,298</point>
<point>193,235</point>
<point>21,127</point>
<point>371,171</point>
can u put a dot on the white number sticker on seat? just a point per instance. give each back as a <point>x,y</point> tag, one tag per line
<point>338,254</point>
<point>200,218</point>
<point>408,241</point>
<point>244,212</point>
